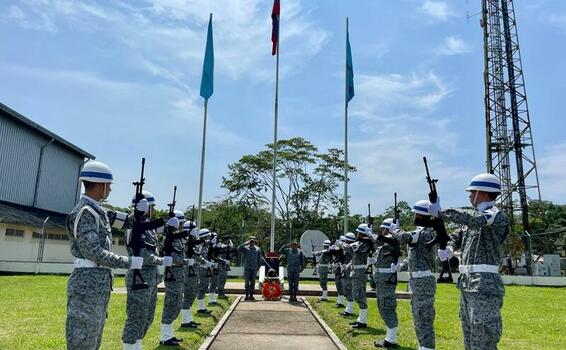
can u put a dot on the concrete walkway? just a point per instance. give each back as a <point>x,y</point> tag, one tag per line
<point>251,325</point>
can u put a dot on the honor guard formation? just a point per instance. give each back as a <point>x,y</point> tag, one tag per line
<point>195,262</point>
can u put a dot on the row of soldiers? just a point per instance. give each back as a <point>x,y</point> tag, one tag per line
<point>196,262</point>
<point>480,236</point>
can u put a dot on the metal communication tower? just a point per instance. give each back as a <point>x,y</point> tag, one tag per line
<point>508,125</point>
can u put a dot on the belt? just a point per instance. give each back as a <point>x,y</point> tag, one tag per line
<point>384,270</point>
<point>86,263</point>
<point>322,265</point>
<point>420,274</point>
<point>464,269</point>
<point>359,267</point>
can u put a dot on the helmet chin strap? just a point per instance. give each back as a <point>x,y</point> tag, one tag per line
<point>476,193</point>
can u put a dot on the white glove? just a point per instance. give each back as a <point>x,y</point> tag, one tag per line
<point>394,267</point>
<point>167,261</point>
<point>190,262</point>
<point>372,260</point>
<point>373,236</point>
<point>173,222</point>
<point>136,263</point>
<point>142,206</point>
<point>434,208</point>
<point>445,254</point>
<point>215,265</point>
<point>393,227</point>
<point>209,264</point>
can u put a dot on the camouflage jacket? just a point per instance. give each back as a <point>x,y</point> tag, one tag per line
<point>296,260</point>
<point>360,253</point>
<point>421,257</point>
<point>480,238</point>
<point>252,257</point>
<point>90,235</point>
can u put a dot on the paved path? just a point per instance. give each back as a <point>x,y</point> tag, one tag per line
<point>272,325</point>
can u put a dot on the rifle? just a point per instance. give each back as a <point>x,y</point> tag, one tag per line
<point>396,253</point>
<point>169,238</point>
<point>438,224</point>
<point>369,269</point>
<point>313,259</point>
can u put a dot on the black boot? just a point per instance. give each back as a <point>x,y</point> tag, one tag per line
<point>169,342</point>
<point>385,344</point>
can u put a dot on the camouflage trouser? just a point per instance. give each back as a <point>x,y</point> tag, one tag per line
<point>140,305</point>
<point>347,288</point>
<point>249,280</point>
<point>88,292</point>
<point>323,274</point>
<point>422,303</point>
<point>293,277</point>
<point>359,287</point>
<point>191,286</point>
<point>386,300</point>
<point>222,276</point>
<point>203,282</point>
<point>481,320</point>
<point>173,296</point>
<point>214,281</point>
<point>338,281</point>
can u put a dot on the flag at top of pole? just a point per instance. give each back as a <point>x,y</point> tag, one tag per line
<point>275,26</point>
<point>207,82</point>
<point>349,70</point>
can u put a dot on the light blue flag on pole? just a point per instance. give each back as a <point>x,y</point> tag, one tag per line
<point>349,69</point>
<point>207,82</point>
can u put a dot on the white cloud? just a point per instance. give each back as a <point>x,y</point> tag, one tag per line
<point>453,45</point>
<point>40,21</point>
<point>438,10</point>
<point>552,172</point>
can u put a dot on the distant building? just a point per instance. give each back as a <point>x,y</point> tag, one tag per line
<point>39,179</point>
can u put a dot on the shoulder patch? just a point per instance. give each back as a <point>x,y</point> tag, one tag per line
<point>490,214</point>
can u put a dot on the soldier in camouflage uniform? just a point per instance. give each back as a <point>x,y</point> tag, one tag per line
<point>337,270</point>
<point>296,262</point>
<point>349,238</point>
<point>90,283</point>
<point>325,261</point>
<point>140,303</point>
<point>213,253</point>
<point>191,270</point>
<point>173,288</point>
<point>480,239</point>
<point>384,290</point>
<point>252,262</point>
<point>360,252</point>
<point>224,256</point>
<point>204,270</point>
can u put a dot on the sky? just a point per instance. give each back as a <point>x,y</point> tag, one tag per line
<point>121,80</point>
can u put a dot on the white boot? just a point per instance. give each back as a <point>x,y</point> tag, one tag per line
<point>166,332</point>
<point>187,315</point>
<point>363,316</point>
<point>340,300</point>
<point>127,346</point>
<point>324,295</point>
<point>391,335</point>
<point>211,298</point>
<point>201,304</point>
<point>350,307</point>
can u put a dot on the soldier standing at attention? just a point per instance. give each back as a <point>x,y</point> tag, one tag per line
<point>325,260</point>
<point>349,238</point>
<point>481,241</point>
<point>140,303</point>
<point>252,261</point>
<point>90,283</point>
<point>296,262</point>
<point>225,256</point>
<point>191,274</point>
<point>205,269</point>
<point>360,252</point>
<point>337,270</point>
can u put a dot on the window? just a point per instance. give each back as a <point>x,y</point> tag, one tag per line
<point>12,232</point>
<point>57,237</point>
<point>36,235</point>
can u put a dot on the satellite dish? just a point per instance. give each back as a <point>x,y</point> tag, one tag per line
<point>310,239</point>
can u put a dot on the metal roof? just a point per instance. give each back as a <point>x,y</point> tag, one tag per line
<point>22,215</point>
<point>40,129</point>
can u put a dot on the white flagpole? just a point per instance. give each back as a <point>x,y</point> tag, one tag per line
<point>272,240</point>
<point>199,217</point>
<point>346,136</point>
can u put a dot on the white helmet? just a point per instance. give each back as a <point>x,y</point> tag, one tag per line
<point>485,183</point>
<point>386,223</point>
<point>326,243</point>
<point>194,232</point>
<point>179,215</point>
<point>203,232</point>
<point>96,172</point>
<point>189,225</point>
<point>148,196</point>
<point>342,238</point>
<point>350,237</point>
<point>421,207</point>
<point>364,229</point>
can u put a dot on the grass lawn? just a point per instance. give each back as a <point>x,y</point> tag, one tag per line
<point>533,318</point>
<point>33,311</point>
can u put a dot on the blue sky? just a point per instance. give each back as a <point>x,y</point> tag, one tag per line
<point>121,78</point>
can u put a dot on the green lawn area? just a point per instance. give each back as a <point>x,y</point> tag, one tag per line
<point>34,309</point>
<point>533,318</point>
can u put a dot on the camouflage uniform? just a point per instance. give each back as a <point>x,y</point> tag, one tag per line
<point>224,267</point>
<point>204,273</point>
<point>346,279</point>
<point>140,304</point>
<point>88,288</point>
<point>296,262</point>
<point>360,252</point>
<point>337,271</point>
<point>323,266</point>
<point>252,261</point>
<point>422,282</point>
<point>215,271</point>
<point>174,289</point>
<point>385,292</point>
<point>481,241</point>
<point>191,275</point>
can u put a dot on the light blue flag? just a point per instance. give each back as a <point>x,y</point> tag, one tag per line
<point>207,82</point>
<point>350,70</point>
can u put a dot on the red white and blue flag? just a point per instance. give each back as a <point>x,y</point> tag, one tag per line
<point>275,27</point>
